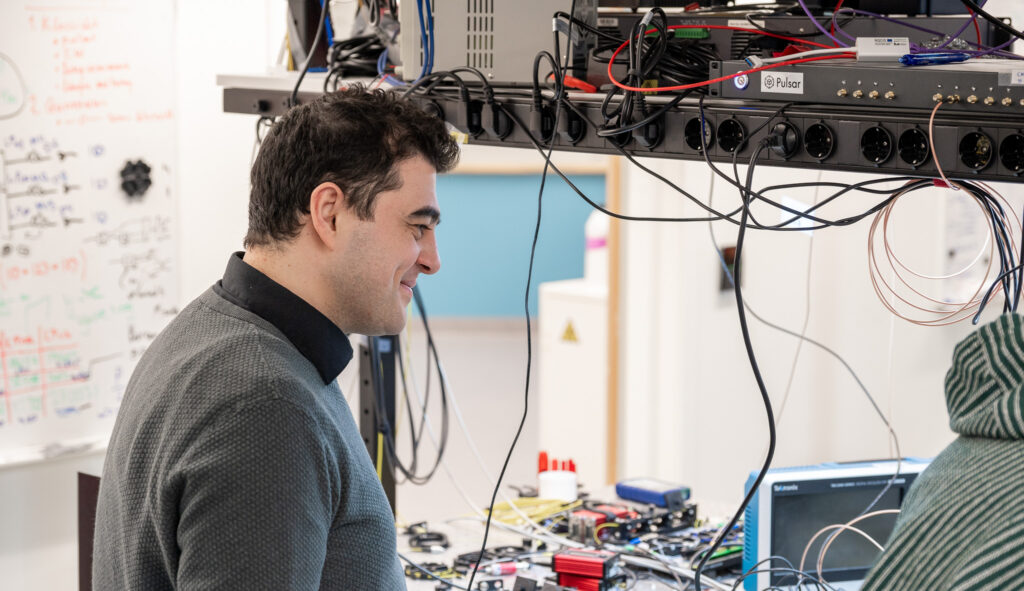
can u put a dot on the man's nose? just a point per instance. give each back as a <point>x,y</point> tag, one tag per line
<point>430,259</point>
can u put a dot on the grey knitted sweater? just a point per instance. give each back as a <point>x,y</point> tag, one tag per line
<point>233,466</point>
<point>961,527</point>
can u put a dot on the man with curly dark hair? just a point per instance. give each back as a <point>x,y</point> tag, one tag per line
<point>235,462</point>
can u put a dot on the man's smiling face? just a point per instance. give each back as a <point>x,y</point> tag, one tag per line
<point>381,258</point>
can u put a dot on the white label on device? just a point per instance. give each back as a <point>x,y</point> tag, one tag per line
<point>1017,78</point>
<point>744,23</point>
<point>782,82</point>
<point>607,21</point>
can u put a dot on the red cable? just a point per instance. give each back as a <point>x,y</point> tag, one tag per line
<point>721,78</point>
<point>706,82</point>
<point>832,27</point>
<point>977,29</point>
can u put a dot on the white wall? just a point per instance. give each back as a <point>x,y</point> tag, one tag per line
<point>685,367</point>
<point>39,517</point>
<point>214,148</point>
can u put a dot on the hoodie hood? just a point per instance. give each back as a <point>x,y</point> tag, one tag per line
<point>985,385</point>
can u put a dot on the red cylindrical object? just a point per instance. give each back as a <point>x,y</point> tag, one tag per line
<point>542,462</point>
<point>503,568</point>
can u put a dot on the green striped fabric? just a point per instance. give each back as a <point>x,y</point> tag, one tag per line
<point>962,525</point>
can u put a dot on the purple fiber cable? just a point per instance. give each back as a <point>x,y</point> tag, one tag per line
<point>982,49</point>
<point>884,18</point>
<point>838,29</point>
<point>973,18</point>
<point>997,49</point>
<point>818,25</point>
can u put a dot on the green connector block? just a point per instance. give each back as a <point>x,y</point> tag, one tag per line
<point>692,33</point>
<point>685,33</point>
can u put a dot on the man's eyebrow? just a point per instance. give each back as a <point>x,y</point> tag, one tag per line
<point>428,212</point>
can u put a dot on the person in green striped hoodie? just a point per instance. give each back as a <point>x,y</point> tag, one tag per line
<point>962,525</point>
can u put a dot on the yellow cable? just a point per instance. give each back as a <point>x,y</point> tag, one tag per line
<point>599,528</point>
<point>380,456</point>
<point>380,437</point>
<point>536,509</point>
<point>291,59</point>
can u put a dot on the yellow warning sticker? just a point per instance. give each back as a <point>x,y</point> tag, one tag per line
<point>569,334</point>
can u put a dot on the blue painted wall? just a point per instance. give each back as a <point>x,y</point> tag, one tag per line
<point>485,235</point>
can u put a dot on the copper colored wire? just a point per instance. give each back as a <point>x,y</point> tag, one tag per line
<point>937,312</point>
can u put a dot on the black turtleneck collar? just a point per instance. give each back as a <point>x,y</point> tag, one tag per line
<point>312,333</point>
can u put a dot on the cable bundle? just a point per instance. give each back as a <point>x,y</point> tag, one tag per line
<point>666,57</point>
<point>903,296</point>
<point>353,57</point>
<point>387,444</point>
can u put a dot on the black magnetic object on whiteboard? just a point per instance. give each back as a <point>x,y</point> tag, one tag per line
<point>135,179</point>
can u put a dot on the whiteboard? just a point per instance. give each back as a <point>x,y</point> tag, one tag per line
<point>88,273</point>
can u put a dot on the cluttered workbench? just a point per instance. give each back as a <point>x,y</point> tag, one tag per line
<point>645,533</point>
<point>598,541</point>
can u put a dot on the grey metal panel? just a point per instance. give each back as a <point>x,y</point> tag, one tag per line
<point>498,37</point>
<point>265,102</point>
<point>847,124</point>
<point>912,87</point>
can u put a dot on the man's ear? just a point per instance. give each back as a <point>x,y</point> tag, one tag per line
<point>326,204</point>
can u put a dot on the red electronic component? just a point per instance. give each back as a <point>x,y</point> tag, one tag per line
<point>591,517</point>
<point>617,511</point>
<point>595,564</point>
<point>581,583</point>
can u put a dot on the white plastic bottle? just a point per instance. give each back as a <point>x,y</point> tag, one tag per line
<point>595,256</point>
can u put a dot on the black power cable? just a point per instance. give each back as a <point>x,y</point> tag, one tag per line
<point>352,57</point>
<point>431,575</point>
<point>417,436</point>
<point>610,131</point>
<point>737,265</point>
<point>294,99</point>
<point>844,188</point>
<point>526,297</point>
<point>871,399</point>
<point>384,426</point>
<point>785,226</point>
<point>971,5</point>
<point>797,214</point>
